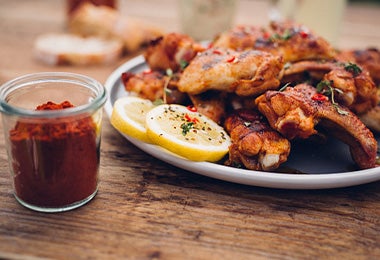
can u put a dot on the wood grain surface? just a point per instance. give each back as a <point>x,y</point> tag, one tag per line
<point>147,209</point>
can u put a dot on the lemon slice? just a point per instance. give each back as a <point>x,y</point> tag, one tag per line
<point>186,133</point>
<point>128,116</point>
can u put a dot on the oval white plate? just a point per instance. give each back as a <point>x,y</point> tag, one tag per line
<point>322,167</point>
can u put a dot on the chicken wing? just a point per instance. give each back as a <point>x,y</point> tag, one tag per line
<point>246,73</point>
<point>353,85</point>
<point>296,112</point>
<point>368,58</point>
<point>255,145</point>
<point>171,51</point>
<point>291,41</point>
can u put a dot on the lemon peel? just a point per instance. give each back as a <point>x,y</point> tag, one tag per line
<point>128,116</point>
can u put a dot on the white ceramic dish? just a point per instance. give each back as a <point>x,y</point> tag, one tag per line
<point>322,167</point>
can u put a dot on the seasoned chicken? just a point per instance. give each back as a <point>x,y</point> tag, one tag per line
<point>255,145</point>
<point>352,85</point>
<point>291,41</point>
<point>296,113</point>
<point>172,51</point>
<point>211,104</point>
<point>246,73</point>
<point>154,85</point>
<point>372,117</point>
<point>368,58</point>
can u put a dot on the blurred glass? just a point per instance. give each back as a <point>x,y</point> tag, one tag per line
<point>204,19</point>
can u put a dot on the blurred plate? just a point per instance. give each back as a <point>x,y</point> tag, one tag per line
<point>318,167</point>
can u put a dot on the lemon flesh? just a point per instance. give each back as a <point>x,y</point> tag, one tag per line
<point>186,133</point>
<point>128,116</point>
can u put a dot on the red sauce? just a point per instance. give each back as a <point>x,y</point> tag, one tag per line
<point>55,161</point>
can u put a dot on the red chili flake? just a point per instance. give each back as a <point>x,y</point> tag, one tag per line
<point>190,119</point>
<point>216,52</point>
<point>266,35</point>
<point>210,45</point>
<point>192,108</point>
<point>231,59</point>
<point>319,97</point>
<point>304,34</point>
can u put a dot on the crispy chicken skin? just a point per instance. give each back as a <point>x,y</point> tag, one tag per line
<point>247,73</point>
<point>255,145</point>
<point>296,111</point>
<point>372,117</point>
<point>357,89</point>
<point>171,51</point>
<point>368,58</point>
<point>291,41</point>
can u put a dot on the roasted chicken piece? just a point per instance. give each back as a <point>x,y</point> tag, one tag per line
<point>255,145</point>
<point>171,51</point>
<point>297,111</point>
<point>211,104</point>
<point>291,41</point>
<point>368,58</point>
<point>372,117</point>
<point>247,73</point>
<point>353,86</point>
<point>154,85</point>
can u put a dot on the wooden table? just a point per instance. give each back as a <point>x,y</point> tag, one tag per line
<point>147,209</point>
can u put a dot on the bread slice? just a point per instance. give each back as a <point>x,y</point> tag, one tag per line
<point>104,21</point>
<point>64,48</point>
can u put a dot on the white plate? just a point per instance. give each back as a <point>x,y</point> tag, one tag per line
<point>328,166</point>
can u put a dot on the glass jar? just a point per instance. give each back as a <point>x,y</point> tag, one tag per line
<point>53,154</point>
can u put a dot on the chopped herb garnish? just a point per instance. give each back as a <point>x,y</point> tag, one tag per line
<point>158,102</point>
<point>284,87</point>
<point>287,65</point>
<point>352,68</point>
<point>167,91</point>
<point>183,64</point>
<point>326,88</point>
<point>287,34</point>
<point>186,127</point>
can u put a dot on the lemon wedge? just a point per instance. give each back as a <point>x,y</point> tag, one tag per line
<point>128,116</point>
<point>186,133</point>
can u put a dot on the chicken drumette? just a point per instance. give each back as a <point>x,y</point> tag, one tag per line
<point>255,145</point>
<point>297,111</point>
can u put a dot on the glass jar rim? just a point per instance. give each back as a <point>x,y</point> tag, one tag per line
<point>41,77</point>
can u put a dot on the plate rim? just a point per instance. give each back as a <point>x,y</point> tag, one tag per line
<point>236,175</point>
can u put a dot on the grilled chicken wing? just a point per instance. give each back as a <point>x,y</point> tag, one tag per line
<point>291,41</point>
<point>295,113</point>
<point>367,58</point>
<point>356,89</point>
<point>172,51</point>
<point>246,73</point>
<point>255,145</point>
